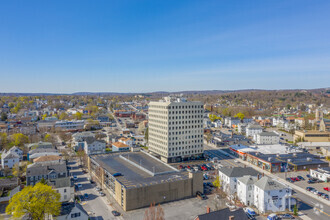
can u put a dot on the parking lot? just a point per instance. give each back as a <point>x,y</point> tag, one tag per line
<point>304,183</point>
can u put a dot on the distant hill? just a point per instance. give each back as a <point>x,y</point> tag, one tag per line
<point>204,92</point>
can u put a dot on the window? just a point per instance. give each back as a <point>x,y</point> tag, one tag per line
<point>75,215</point>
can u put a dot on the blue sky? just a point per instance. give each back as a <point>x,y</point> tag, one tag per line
<point>143,46</point>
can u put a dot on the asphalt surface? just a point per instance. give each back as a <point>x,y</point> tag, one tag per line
<point>97,206</point>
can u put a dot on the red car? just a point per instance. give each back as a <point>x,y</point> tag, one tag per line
<point>296,178</point>
<point>204,168</point>
<point>293,179</point>
<point>327,189</point>
<point>188,167</point>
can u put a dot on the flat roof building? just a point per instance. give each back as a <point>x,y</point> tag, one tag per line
<point>176,129</point>
<point>312,136</point>
<point>137,179</point>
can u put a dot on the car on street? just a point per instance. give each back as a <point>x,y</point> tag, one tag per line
<point>315,192</point>
<point>293,179</point>
<point>310,181</point>
<point>289,180</point>
<point>325,196</point>
<point>301,178</point>
<point>102,193</point>
<point>86,196</point>
<point>79,185</point>
<point>320,193</point>
<point>250,211</point>
<point>309,188</point>
<point>115,213</point>
<point>75,178</point>
<point>286,216</point>
<point>308,176</point>
<point>327,189</point>
<point>97,188</point>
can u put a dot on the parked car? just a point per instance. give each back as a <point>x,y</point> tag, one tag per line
<point>308,176</point>
<point>115,213</point>
<point>309,188</point>
<point>97,188</point>
<point>116,174</point>
<point>272,216</point>
<point>301,178</point>
<point>310,181</point>
<point>79,185</point>
<point>286,216</point>
<point>75,178</point>
<point>289,180</point>
<point>250,211</point>
<point>86,196</point>
<point>325,196</point>
<point>102,193</point>
<point>327,189</point>
<point>293,179</point>
<point>320,193</point>
<point>315,192</point>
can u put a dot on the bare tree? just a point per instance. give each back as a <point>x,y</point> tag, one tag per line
<point>154,213</point>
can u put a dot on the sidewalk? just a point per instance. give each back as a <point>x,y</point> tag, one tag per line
<point>326,202</point>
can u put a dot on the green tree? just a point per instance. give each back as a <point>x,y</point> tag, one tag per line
<point>35,202</point>
<point>80,154</point>
<point>3,140</point>
<point>212,117</point>
<point>78,115</point>
<point>295,210</point>
<point>18,139</point>
<point>240,115</point>
<point>4,116</point>
<point>44,116</point>
<point>216,183</point>
<point>63,116</point>
<point>146,134</point>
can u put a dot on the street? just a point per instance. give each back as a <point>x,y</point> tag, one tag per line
<point>98,207</point>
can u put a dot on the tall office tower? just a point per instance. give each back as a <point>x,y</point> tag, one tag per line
<point>176,129</point>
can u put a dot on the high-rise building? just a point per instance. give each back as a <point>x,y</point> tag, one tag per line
<point>176,129</point>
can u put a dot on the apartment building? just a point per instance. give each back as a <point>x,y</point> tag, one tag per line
<point>176,129</point>
<point>252,130</point>
<point>267,138</point>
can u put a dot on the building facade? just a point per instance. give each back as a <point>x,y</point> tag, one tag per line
<point>176,129</point>
<point>267,138</point>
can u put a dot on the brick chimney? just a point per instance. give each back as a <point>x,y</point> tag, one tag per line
<point>208,209</point>
<point>231,217</point>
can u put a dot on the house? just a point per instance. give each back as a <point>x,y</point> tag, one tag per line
<point>229,176</point>
<point>252,130</point>
<point>9,159</point>
<point>56,174</point>
<point>127,141</point>
<point>223,214</point>
<point>71,210</point>
<point>217,123</point>
<point>267,138</point>
<point>18,151</point>
<point>241,128</point>
<point>245,189</point>
<point>272,196</point>
<point>40,145</point>
<point>94,146</point>
<point>49,158</point>
<point>74,125</point>
<point>119,146</point>
<point>80,138</point>
<point>324,124</point>
<point>247,120</point>
<point>38,152</point>
<point>230,121</point>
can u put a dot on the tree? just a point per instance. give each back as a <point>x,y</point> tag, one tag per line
<point>4,116</point>
<point>35,202</point>
<point>146,134</point>
<point>78,115</point>
<point>216,183</point>
<point>63,116</point>
<point>16,170</point>
<point>3,140</point>
<point>19,139</point>
<point>240,115</point>
<point>295,210</point>
<point>80,155</point>
<point>154,213</point>
<point>44,116</point>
